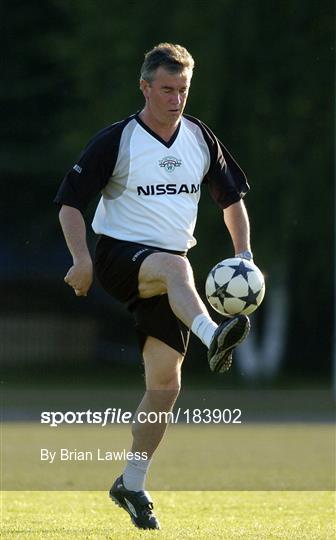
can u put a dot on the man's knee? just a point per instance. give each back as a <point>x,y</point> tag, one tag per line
<point>159,270</point>
<point>170,384</point>
<point>162,366</point>
<point>165,381</point>
<point>176,266</point>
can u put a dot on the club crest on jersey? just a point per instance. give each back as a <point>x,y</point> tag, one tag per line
<point>170,163</point>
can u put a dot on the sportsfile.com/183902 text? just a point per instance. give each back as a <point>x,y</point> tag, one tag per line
<point>118,416</point>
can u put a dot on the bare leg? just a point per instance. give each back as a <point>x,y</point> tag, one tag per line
<point>162,273</point>
<point>163,381</point>
<point>163,376</point>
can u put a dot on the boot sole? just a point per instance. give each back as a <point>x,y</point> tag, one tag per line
<point>231,336</point>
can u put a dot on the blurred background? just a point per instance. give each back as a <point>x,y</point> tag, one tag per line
<point>264,82</point>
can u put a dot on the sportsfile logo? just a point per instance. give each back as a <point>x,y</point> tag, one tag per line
<point>170,163</point>
<point>113,415</point>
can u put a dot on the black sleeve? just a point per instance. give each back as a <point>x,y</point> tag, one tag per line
<point>226,181</point>
<point>93,169</point>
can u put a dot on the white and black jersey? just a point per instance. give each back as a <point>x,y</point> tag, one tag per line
<point>151,188</point>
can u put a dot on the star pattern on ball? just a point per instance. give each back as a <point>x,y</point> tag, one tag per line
<point>235,295</point>
<point>214,270</point>
<point>251,297</point>
<point>222,292</point>
<point>240,270</point>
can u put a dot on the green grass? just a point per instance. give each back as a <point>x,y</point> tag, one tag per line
<point>253,456</point>
<point>184,515</point>
<point>275,481</point>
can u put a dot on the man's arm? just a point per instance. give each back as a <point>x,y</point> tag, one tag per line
<point>237,221</point>
<point>80,275</point>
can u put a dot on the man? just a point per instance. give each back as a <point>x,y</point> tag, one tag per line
<point>149,169</point>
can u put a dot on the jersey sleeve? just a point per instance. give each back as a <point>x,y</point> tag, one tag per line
<point>226,181</point>
<point>92,171</point>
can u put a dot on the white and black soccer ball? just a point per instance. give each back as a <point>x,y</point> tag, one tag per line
<point>235,286</point>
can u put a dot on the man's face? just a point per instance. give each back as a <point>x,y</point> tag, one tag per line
<point>166,95</point>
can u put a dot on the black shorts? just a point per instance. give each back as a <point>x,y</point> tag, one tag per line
<point>117,265</point>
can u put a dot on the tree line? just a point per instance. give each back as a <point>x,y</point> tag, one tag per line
<point>263,82</point>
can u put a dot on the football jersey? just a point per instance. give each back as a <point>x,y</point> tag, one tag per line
<point>150,188</point>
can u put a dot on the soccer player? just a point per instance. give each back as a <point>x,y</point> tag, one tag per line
<point>149,169</point>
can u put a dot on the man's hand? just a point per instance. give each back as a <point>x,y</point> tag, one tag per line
<point>80,276</point>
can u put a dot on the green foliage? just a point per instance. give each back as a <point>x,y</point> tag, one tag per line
<point>263,82</point>
<point>31,89</point>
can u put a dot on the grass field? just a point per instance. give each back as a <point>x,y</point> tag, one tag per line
<point>259,481</point>
<point>254,457</point>
<point>184,515</point>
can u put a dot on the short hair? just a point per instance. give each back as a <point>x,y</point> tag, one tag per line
<point>174,58</point>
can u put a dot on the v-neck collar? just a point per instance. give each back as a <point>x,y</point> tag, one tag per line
<point>172,139</point>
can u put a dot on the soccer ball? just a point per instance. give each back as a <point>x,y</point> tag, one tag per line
<point>235,286</point>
